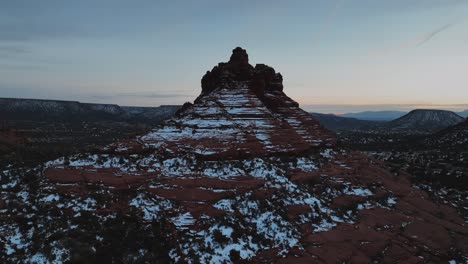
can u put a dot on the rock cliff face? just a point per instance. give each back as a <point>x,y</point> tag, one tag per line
<point>242,112</point>
<point>261,79</point>
<point>243,174</point>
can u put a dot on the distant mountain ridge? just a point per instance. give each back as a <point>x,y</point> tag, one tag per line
<point>339,123</point>
<point>24,109</point>
<point>385,115</point>
<point>375,115</point>
<point>419,121</point>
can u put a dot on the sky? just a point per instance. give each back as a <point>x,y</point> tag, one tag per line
<point>335,55</point>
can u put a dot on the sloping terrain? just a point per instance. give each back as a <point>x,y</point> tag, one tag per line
<point>436,162</point>
<point>242,174</point>
<point>345,124</point>
<point>151,114</point>
<point>455,137</point>
<point>463,113</point>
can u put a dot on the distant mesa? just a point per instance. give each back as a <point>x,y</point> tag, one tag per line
<point>416,122</point>
<point>425,121</point>
<point>73,111</point>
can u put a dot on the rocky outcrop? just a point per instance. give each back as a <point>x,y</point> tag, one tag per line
<point>237,69</point>
<point>243,174</point>
<point>261,79</point>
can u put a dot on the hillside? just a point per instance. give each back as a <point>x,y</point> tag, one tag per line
<point>454,137</point>
<point>344,124</point>
<point>463,114</point>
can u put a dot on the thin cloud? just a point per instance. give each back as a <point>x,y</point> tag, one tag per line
<point>429,36</point>
<point>422,39</point>
<point>432,34</point>
<point>415,42</point>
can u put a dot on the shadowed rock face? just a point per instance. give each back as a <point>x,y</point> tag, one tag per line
<point>260,79</point>
<point>239,58</point>
<point>244,174</point>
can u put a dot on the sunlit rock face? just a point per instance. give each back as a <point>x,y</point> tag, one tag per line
<point>243,174</point>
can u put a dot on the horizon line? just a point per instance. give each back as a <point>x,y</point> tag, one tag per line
<point>338,108</point>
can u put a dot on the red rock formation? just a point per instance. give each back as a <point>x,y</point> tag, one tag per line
<point>241,113</point>
<point>243,169</point>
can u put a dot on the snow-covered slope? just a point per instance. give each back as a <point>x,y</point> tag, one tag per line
<point>232,122</point>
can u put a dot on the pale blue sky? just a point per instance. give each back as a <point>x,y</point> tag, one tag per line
<point>343,52</point>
